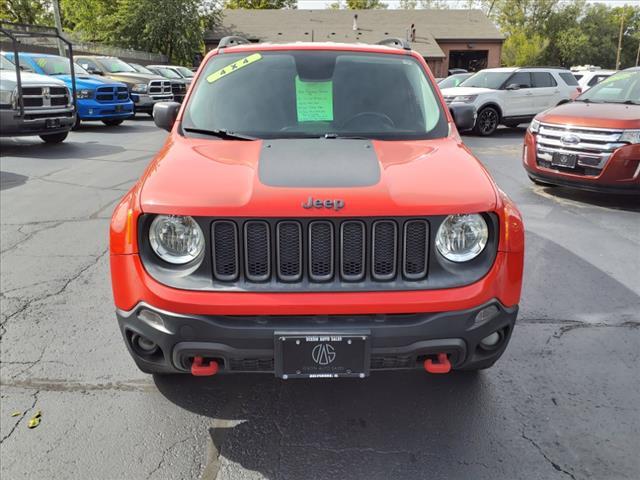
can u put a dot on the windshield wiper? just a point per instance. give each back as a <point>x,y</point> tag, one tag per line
<point>344,137</point>
<point>220,133</point>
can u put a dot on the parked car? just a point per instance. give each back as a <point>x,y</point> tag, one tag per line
<point>587,79</point>
<point>314,213</point>
<point>145,90</point>
<point>178,84</point>
<point>184,73</point>
<point>48,105</point>
<point>453,80</point>
<point>97,98</point>
<point>511,96</point>
<point>592,143</point>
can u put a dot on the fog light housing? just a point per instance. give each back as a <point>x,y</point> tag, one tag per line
<point>486,314</point>
<point>144,346</point>
<point>491,341</point>
<point>153,319</point>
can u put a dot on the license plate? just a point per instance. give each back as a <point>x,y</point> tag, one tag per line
<point>566,160</point>
<point>321,355</point>
<point>52,123</point>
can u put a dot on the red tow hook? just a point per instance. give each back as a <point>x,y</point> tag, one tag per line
<point>198,369</point>
<point>443,365</point>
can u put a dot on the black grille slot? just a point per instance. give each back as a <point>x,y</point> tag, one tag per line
<point>352,238</point>
<point>32,102</point>
<point>32,91</point>
<point>289,250</point>
<point>257,251</point>
<point>385,246</point>
<point>321,251</point>
<point>59,101</point>
<point>416,237</point>
<point>225,251</point>
<point>58,90</point>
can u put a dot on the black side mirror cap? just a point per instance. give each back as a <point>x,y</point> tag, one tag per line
<point>165,114</point>
<point>464,116</point>
<point>513,86</point>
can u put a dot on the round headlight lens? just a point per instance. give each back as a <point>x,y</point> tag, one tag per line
<point>176,239</point>
<point>462,238</point>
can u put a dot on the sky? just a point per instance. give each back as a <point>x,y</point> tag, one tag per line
<point>319,4</point>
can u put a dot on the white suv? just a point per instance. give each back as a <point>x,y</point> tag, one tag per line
<point>511,96</point>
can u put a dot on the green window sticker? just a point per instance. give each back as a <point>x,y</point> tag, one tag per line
<point>314,101</point>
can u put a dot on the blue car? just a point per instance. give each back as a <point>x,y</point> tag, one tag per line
<point>98,98</point>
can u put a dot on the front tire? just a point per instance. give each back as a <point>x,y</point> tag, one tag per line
<point>76,124</point>
<point>54,137</point>
<point>112,122</point>
<point>487,122</point>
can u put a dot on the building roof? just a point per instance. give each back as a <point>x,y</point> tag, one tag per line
<point>431,26</point>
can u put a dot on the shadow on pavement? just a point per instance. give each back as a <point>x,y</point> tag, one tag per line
<point>10,180</point>
<point>30,147</point>
<point>628,202</point>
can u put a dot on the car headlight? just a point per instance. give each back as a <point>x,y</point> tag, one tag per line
<point>8,97</point>
<point>534,126</point>
<point>176,239</point>
<point>465,98</point>
<point>630,136</point>
<point>139,88</point>
<point>84,93</point>
<point>461,238</point>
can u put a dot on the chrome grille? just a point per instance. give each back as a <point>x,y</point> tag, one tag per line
<point>160,88</point>
<point>45,97</point>
<point>178,88</point>
<point>593,147</point>
<point>319,250</point>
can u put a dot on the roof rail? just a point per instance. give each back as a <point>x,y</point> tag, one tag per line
<point>395,42</point>
<point>544,66</point>
<point>232,41</point>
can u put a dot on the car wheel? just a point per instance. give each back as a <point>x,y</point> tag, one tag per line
<point>487,122</point>
<point>113,122</point>
<point>54,137</point>
<point>541,183</point>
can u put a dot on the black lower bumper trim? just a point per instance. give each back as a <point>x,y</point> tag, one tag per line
<point>246,343</point>
<point>586,186</point>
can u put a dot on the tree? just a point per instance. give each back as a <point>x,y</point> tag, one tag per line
<point>408,4</point>
<point>261,4</point>
<point>365,4</point>
<point>37,12</point>
<point>522,49</point>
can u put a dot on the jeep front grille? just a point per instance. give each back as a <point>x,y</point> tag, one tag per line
<point>593,149</point>
<point>45,97</point>
<point>319,251</point>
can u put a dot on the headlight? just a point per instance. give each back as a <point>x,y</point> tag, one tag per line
<point>630,136</point>
<point>84,93</point>
<point>534,126</point>
<point>465,98</point>
<point>462,238</point>
<point>7,97</point>
<point>176,239</point>
<point>139,88</point>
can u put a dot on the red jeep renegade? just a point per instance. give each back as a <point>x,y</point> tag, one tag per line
<point>314,213</point>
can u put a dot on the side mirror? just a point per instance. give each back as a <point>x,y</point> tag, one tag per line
<point>165,114</point>
<point>464,116</point>
<point>93,71</point>
<point>513,86</point>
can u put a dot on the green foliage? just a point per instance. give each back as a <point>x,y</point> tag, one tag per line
<point>521,49</point>
<point>36,12</point>
<point>261,4</point>
<point>365,4</point>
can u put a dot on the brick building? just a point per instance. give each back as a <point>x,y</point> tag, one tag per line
<point>445,38</point>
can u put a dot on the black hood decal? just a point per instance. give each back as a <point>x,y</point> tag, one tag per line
<point>320,163</point>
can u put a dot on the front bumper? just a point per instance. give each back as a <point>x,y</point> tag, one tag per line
<point>246,343</point>
<point>144,102</point>
<point>621,173</point>
<point>35,122</point>
<point>89,109</point>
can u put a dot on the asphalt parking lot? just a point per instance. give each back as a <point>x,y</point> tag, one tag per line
<point>562,403</point>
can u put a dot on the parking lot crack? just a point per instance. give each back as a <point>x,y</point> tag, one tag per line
<point>164,455</point>
<point>555,465</point>
<point>22,416</point>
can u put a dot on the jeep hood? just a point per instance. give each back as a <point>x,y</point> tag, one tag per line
<point>596,115</point>
<point>213,177</point>
<point>455,91</point>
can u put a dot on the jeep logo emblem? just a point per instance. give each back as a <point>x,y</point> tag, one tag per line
<point>336,204</point>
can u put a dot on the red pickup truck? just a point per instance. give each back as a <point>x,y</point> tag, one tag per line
<point>592,143</point>
<point>315,214</point>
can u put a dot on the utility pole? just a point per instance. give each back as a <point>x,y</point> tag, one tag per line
<point>619,43</point>
<point>638,56</point>
<point>58,20</point>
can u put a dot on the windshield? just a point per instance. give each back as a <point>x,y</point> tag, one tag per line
<point>115,65</point>
<point>57,66</point>
<point>298,94</point>
<point>167,72</point>
<point>623,87</point>
<point>454,80</point>
<point>6,64</point>
<point>493,80</point>
<point>140,69</point>
<point>185,72</point>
